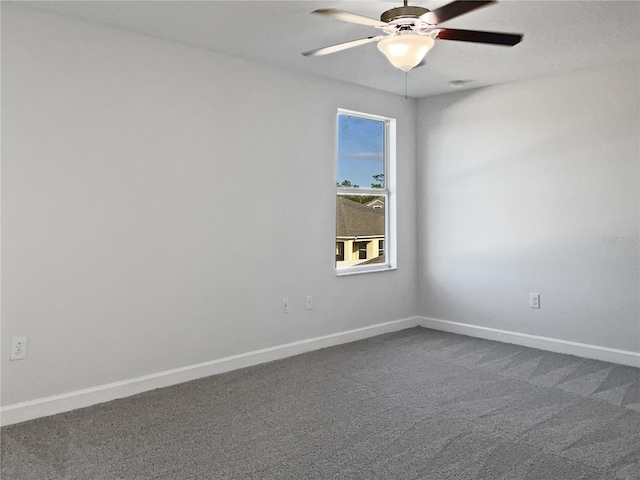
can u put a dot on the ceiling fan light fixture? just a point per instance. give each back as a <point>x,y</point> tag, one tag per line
<point>405,50</point>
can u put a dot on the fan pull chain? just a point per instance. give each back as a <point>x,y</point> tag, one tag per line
<point>405,86</point>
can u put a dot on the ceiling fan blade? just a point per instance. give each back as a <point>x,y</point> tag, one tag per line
<point>494,38</point>
<point>350,17</point>
<point>341,46</point>
<point>453,10</point>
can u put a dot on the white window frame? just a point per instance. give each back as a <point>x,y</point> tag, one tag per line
<point>389,192</point>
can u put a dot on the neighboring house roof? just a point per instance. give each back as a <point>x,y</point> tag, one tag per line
<point>373,261</point>
<point>357,220</point>
<point>376,202</point>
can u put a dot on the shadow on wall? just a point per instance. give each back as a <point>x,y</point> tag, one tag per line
<point>522,185</point>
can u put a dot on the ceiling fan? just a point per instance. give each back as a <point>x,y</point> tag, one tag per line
<point>411,31</point>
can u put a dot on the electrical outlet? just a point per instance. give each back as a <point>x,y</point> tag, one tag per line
<point>284,305</point>
<point>534,300</point>
<point>309,304</point>
<point>18,348</point>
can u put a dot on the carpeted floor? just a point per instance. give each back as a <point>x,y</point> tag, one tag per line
<point>416,404</point>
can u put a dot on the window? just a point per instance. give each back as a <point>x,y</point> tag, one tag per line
<point>365,193</point>
<point>362,250</point>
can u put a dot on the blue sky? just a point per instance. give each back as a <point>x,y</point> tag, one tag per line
<point>360,149</point>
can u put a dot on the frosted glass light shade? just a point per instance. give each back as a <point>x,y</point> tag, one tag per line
<point>405,51</point>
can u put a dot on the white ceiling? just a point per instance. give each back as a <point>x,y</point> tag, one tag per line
<point>559,36</point>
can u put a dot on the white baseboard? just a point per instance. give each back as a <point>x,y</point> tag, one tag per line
<point>622,357</point>
<point>42,407</point>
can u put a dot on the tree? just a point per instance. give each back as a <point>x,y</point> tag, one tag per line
<point>379,178</point>
<point>347,184</point>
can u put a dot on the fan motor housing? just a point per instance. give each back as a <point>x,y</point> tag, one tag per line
<point>403,12</point>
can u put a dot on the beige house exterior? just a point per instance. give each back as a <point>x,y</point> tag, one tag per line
<point>359,232</point>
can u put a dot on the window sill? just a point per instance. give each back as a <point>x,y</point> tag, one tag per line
<point>344,272</point>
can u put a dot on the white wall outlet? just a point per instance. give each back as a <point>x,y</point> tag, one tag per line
<point>284,305</point>
<point>309,304</point>
<point>18,348</point>
<point>534,300</point>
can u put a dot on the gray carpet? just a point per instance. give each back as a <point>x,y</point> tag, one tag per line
<point>416,404</point>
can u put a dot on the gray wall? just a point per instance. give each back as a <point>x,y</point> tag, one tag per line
<point>533,187</point>
<point>159,200</point>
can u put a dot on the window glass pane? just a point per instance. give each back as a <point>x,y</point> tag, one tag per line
<point>360,152</point>
<point>360,231</point>
<point>362,250</point>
